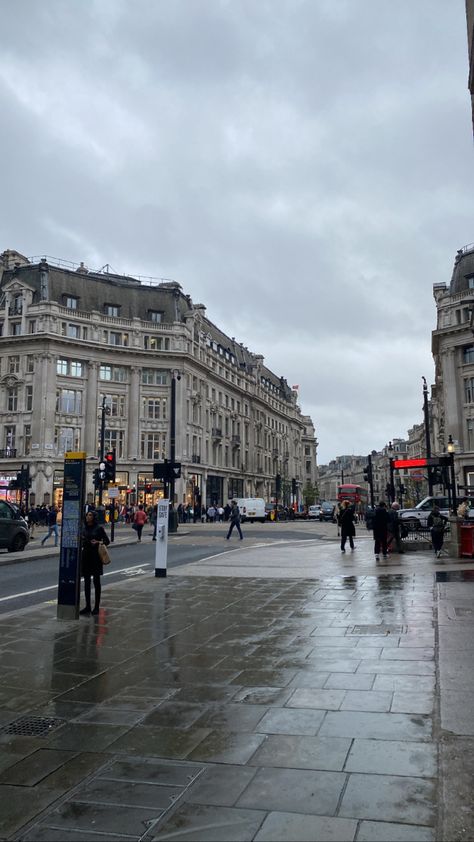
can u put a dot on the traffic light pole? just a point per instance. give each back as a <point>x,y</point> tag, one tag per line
<point>102,444</point>
<point>426,416</point>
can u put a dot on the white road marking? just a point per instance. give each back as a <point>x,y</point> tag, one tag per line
<point>54,587</point>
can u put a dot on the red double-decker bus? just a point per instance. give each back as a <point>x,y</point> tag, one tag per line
<point>356,495</point>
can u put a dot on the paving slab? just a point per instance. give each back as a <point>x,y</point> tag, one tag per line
<point>298,827</point>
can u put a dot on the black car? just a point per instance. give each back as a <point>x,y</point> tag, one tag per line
<point>327,511</point>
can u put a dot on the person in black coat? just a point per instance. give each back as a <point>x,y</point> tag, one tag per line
<point>380,527</point>
<point>92,535</point>
<point>346,525</point>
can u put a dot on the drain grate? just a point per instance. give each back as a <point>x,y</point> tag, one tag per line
<point>380,629</point>
<point>32,726</point>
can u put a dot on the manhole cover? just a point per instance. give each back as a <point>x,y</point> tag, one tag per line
<point>32,726</point>
<point>378,630</point>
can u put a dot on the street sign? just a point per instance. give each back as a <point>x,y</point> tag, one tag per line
<point>161,546</point>
<point>71,536</point>
<point>113,492</point>
<point>417,476</point>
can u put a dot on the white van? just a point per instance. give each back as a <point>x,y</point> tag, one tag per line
<point>251,508</point>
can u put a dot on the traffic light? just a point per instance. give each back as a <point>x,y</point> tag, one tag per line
<point>110,466</point>
<point>293,487</point>
<point>278,484</point>
<point>96,478</point>
<point>401,489</point>
<point>25,481</point>
<point>368,473</point>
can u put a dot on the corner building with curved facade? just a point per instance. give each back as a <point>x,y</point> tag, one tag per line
<point>70,336</point>
<point>452,402</point>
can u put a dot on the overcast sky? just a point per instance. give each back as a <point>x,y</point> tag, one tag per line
<point>301,167</point>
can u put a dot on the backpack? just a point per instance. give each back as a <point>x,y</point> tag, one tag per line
<point>438,523</point>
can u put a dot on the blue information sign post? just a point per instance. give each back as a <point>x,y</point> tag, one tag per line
<point>70,555</point>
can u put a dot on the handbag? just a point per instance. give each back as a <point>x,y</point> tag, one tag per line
<point>104,554</point>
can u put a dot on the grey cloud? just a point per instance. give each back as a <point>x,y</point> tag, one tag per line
<point>314,156</point>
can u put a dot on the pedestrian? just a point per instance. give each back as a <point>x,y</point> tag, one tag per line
<point>227,510</point>
<point>220,513</point>
<point>347,525</point>
<point>211,514</point>
<point>234,520</point>
<point>380,526</point>
<point>154,520</point>
<point>394,541</point>
<point>52,524</point>
<point>139,520</point>
<point>32,520</point>
<point>437,524</point>
<point>91,566</point>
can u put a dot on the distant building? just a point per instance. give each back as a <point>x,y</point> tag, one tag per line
<point>70,336</point>
<point>470,41</point>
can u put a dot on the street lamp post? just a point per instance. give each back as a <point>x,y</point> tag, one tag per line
<point>451,448</point>
<point>173,519</point>
<point>427,434</point>
<point>392,483</point>
<point>105,410</point>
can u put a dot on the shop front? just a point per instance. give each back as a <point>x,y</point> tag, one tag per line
<point>6,493</point>
<point>214,490</point>
<point>193,494</point>
<point>149,490</point>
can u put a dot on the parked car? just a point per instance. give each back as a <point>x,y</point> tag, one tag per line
<point>327,511</point>
<point>314,512</point>
<point>14,533</point>
<point>417,517</point>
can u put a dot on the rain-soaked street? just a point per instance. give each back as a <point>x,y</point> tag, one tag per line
<point>273,693</point>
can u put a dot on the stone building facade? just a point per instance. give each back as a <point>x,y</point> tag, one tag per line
<point>70,336</point>
<point>453,353</point>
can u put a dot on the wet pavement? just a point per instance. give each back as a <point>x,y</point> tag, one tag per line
<point>272,693</point>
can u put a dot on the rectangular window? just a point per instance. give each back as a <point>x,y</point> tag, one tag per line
<point>114,440</point>
<point>154,377</point>
<point>153,445</point>
<point>70,330</point>
<point>27,439</point>
<point>469,390</point>
<point>67,438</point>
<point>10,436</point>
<point>28,398</point>
<point>15,329</point>
<point>30,364</point>
<point>71,302</point>
<point>116,373</point>
<point>13,365</point>
<point>118,338</point>
<point>154,315</point>
<point>12,399</point>
<point>112,310</point>
<point>470,434</point>
<point>32,326</point>
<point>71,368</point>
<point>468,354</point>
<point>154,409</point>
<point>155,343</point>
<point>470,281</point>
<point>116,403</point>
<point>69,401</point>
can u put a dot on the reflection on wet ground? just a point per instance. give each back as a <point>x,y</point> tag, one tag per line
<point>201,708</point>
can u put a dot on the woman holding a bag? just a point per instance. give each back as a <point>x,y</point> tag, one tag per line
<point>93,535</point>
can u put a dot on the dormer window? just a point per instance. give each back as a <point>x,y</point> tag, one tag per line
<point>470,281</point>
<point>71,302</point>
<point>112,310</point>
<point>155,315</point>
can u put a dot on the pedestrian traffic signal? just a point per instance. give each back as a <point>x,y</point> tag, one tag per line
<point>110,466</point>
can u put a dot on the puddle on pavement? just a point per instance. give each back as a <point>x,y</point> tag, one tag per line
<point>455,576</point>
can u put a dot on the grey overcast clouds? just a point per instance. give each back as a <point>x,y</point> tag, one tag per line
<point>304,168</point>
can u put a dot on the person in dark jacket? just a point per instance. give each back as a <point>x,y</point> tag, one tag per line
<point>394,537</point>
<point>52,524</point>
<point>437,524</point>
<point>346,524</point>
<point>234,520</point>
<point>92,535</point>
<point>380,527</point>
